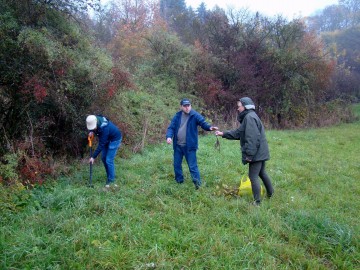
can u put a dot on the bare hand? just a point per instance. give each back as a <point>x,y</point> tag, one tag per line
<point>214,128</point>
<point>169,140</point>
<point>219,133</point>
<point>91,160</point>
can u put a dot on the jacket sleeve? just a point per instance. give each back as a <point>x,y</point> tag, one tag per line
<point>232,134</point>
<point>103,140</point>
<point>252,137</point>
<point>202,123</point>
<point>171,129</point>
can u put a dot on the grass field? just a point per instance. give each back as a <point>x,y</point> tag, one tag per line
<point>150,222</point>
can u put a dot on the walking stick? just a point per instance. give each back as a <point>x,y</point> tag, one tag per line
<point>90,139</point>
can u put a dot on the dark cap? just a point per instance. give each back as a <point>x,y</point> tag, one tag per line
<point>185,101</point>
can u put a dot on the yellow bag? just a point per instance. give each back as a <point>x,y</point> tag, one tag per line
<point>245,186</point>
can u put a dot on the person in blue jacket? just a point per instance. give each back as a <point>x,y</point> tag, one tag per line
<point>183,134</point>
<point>109,141</point>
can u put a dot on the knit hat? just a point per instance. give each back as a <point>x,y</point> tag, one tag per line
<point>247,103</point>
<point>91,122</point>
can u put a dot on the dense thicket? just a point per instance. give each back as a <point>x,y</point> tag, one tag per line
<point>51,76</point>
<point>345,45</point>
<point>339,27</point>
<point>133,60</point>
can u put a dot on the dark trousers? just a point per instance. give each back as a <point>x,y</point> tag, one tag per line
<point>256,170</point>
<point>190,156</point>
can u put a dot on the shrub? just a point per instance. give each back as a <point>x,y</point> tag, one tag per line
<point>8,168</point>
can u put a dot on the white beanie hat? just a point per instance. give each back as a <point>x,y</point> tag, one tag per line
<point>91,122</point>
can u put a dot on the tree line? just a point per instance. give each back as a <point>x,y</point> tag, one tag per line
<point>133,60</point>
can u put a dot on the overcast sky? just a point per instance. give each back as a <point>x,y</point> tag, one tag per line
<point>288,8</point>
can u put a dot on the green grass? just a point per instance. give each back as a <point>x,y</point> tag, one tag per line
<point>311,223</point>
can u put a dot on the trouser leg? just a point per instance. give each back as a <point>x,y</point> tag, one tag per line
<point>107,157</point>
<point>109,160</point>
<point>193,167</point>
<point>266,180</point>
<point>103,159</point>
<point>178,157</point>
<point>254,170</point>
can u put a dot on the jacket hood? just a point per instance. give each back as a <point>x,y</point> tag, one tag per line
<point>102,121</point>
<point>247,103</point>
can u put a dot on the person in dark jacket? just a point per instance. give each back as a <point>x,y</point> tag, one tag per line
<point>183,134</point>
<point>109,141</point>
<point>254,146</point>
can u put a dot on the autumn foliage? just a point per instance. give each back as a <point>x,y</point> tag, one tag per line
<point>133,60</point>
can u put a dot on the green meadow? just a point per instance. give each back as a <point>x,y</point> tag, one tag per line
<point>150,222</point>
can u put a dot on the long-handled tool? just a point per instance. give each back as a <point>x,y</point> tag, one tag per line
<point>90,139</point>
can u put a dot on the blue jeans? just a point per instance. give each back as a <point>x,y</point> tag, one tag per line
<point>107,156</point>
<point>190,156</point>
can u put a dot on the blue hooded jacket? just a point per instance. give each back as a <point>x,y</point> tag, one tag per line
<point>107,132</point>
<point>195,120</point>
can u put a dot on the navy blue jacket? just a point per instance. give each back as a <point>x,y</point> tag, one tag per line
<point>107,132</point>
<point>195,120</point>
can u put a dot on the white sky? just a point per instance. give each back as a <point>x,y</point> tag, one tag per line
<point>287,8</point>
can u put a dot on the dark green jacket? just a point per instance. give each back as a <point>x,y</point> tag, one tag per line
<point>251,134</point>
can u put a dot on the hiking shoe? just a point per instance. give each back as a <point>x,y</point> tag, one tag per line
<point>255,203</point>
<point>111,186</point>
